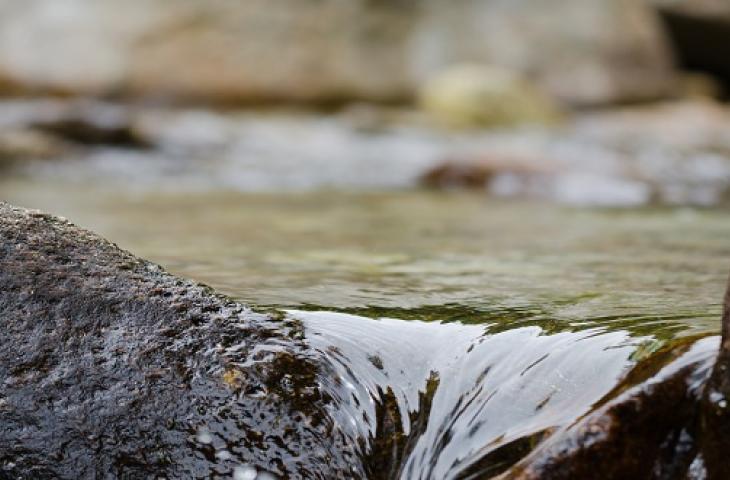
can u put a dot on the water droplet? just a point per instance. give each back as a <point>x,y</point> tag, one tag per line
<point>204,436</point>
<point>244,472</point>
<point>223,454</point>
<point>718,398</point>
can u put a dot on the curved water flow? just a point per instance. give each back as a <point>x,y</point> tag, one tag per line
<point>451,401</point>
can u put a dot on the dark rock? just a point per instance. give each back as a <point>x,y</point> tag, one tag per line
<point>648,431</point>
<point>451,174</point>
<point>674,424</point>
<point>112,368</point>
<point>88,131</point>
<point>476,171</point>
<point>715,420</point>
<point>698,30</point>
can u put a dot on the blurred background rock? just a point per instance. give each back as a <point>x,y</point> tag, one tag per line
<point>582,51</point>
<point>304,94</point>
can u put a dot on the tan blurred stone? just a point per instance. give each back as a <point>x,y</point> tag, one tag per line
<point>582,51</point>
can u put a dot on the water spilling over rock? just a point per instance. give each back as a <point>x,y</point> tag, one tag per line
<point>106,353</point>
<point>109,366</point>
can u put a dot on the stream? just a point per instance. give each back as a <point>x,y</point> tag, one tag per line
<point>465,328</point>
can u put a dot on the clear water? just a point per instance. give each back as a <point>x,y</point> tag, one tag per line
<point>463,327</point>
<point>426,256</point>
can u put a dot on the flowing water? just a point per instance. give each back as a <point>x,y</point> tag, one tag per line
<point>458,331</point>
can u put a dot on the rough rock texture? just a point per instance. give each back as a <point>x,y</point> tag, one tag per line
<point>327,50</point>
<point>111,368</point>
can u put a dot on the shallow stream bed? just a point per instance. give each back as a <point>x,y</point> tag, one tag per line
<point>487,324</point>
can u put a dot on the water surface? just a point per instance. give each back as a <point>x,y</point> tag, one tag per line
<point>430,256</point>
<point>457,331</point>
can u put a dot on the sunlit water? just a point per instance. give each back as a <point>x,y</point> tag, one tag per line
<point>465,328</point>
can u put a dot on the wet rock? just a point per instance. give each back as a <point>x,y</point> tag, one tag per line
<point>478,171</point>
<point>457,175</point>
<point>110,367</point>
<point>80,130</point>
<point>582,51</point>
<point>90,124</point>
<point>674,425</point>
<point>715,413</point>
<point>648,431</point>
<point>486,96</point>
